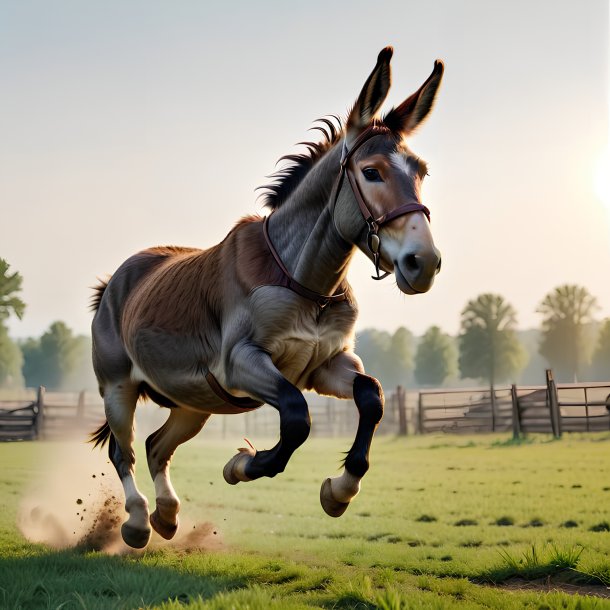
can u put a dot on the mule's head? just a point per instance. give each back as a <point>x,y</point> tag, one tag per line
<point>384,178</point>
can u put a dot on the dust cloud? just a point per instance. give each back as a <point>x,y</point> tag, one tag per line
<point>77,502</point>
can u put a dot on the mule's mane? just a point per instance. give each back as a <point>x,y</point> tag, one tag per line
<point>288,177</point>
<point>98,293</point>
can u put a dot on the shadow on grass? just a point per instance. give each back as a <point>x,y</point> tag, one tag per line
<point>70,579</point>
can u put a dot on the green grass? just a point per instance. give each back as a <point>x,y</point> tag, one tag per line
<point>400,545</point>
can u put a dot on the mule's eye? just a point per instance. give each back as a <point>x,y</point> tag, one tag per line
<point>371,174</point>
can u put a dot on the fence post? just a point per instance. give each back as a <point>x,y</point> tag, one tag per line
<point>553,404</point>
<point>516,412</point>
<point>80,405</point>
<point>492,397</point>
<point>420,414</point>
<point>587,409</point>
<point>39,419</point>
<point>402,411</point>
<point>329,419</point>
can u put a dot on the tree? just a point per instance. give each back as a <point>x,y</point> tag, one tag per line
<point>399,358</point>
<point>600,365</point>
<point>55,358</point>
<point>567,310</point>
<point>488,345</point>
<point>10,354</point>
<point>9,286</point>
<point>436,357</point>
<point>11,361</point>
<point>387,357</point>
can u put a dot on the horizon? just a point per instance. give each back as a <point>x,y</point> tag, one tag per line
<point>127,126</point>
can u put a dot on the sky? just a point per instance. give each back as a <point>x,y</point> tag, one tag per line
<point>125,125</point>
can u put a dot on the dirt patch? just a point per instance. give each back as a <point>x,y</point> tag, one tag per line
<point>78,503</point>
<point>103,532</point>
<point>193,537</point>
<point>551,585</point>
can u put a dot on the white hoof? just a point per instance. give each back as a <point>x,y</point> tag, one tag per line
<point>337,493</point>
<point>331,506</point>
<point>235,469</point>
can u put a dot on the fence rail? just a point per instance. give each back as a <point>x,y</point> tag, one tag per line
<point>465,411</point>
<point>19,422</point>
<point>548,409</point>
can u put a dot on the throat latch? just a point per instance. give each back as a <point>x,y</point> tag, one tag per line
<point>374,242</point>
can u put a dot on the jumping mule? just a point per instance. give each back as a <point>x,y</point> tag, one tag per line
<point>268,312</point>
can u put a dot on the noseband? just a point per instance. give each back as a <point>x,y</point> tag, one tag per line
<point>374,224</point>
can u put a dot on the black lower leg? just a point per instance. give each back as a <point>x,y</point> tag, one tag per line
<point>152,452</point>
<point>295,425</point>
<point>369,400</point>
<point>123,467</point>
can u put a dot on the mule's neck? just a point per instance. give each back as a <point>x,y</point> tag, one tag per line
<point>304,233</point>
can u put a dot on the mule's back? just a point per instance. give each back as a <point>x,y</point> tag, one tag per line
<point>110,359</point>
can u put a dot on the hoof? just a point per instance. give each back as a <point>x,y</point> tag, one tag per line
<point>331,507</point>
<point>135,538</point>
<point>164,528</point>
<point>235,469</point>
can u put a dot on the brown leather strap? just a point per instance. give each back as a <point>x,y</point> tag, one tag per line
<point>289,282</point>
<point>373,224</point>
<point>405,208</point>
<point>237,401</point>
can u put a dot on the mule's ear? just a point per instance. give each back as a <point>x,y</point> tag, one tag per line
<point>372,95</point>
<point>406,117</point>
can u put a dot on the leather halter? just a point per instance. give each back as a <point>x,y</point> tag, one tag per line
<point>289,282</point>
<point>374,224</point>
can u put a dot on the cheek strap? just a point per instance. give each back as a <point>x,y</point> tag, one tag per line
<point>374,224</point>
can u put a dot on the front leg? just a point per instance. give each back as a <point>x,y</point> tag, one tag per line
<point>344,377</point>
<point>251,370</point>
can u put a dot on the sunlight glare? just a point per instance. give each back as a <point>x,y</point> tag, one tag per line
<point>601,179</point>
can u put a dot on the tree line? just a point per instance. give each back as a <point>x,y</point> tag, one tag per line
<point>488,348</point>
<point>58,359</point>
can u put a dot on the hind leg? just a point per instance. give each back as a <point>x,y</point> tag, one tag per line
<point>120,404</point>
<point>181,426</point>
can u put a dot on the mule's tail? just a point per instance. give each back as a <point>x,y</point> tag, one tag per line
<point>100,436</point>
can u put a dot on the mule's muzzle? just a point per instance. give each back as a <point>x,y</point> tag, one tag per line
<point>416,269</point>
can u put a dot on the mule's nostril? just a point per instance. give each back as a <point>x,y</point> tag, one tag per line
<point>438,267</point>
<point>411,262</point>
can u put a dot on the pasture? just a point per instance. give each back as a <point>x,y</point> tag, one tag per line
<point>441,522</point>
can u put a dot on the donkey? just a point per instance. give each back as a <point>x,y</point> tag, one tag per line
<point>268,312</point>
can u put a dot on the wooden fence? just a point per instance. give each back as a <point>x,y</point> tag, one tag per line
<point>466,411</point>
<point>557,408</point>
<point>20,420</point>
<point>50,415</point>
<point>550,409</point>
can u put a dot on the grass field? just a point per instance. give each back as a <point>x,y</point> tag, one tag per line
<point>441,522</point>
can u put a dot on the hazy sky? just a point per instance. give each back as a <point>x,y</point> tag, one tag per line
<point>130,124</point>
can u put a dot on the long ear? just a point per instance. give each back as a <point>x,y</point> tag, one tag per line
<point>372,95</point>
<point>406,117</point>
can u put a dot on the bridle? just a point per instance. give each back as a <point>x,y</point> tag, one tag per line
<point>374,224</point>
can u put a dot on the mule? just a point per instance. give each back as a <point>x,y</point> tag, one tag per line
<point>268,312</point>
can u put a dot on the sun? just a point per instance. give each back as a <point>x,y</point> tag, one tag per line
<point>601,179</point>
